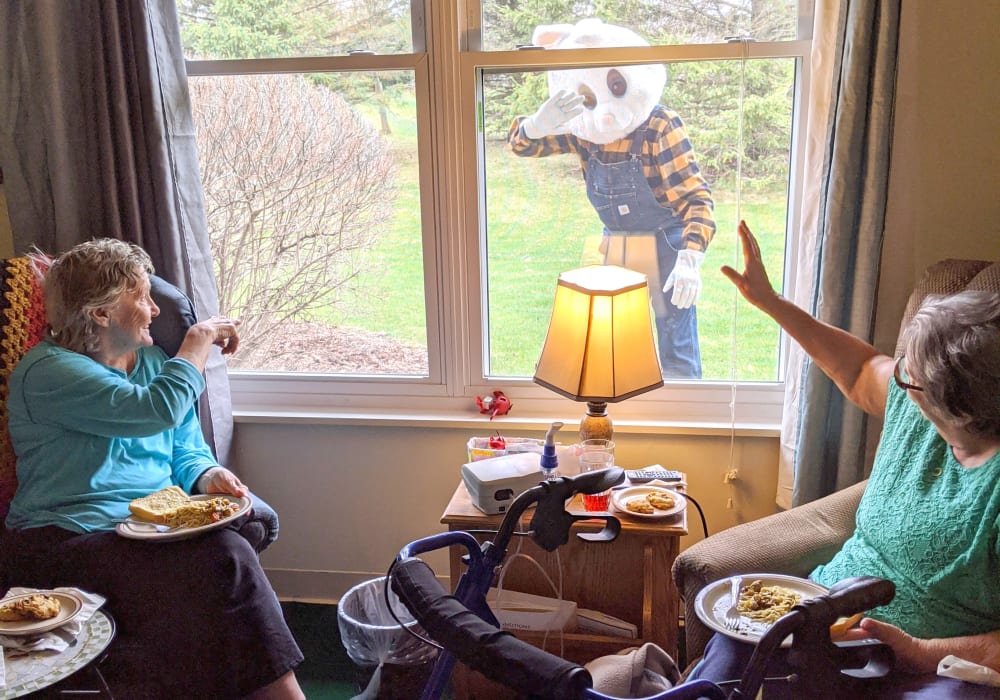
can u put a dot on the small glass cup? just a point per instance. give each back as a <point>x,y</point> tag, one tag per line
<point>598,445</point>
<point>595,460</point>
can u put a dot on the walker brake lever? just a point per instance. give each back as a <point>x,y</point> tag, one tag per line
<point>612,526</point>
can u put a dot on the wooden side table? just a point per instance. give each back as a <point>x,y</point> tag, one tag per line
<point>628,578</point>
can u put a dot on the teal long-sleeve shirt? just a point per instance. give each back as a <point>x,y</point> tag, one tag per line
<point>90,438</point>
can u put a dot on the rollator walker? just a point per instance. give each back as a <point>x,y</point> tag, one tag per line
<point>464,628</point>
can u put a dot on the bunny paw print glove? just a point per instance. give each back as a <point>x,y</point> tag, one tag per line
<point>553,115</point>
<point>685,278</point>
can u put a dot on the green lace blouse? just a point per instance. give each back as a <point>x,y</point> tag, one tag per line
<point>929,525</point>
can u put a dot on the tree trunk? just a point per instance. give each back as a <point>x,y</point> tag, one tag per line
<point>383,113</point>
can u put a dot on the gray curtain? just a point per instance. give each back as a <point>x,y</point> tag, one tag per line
<point>831,440</point>
<point>96,139</point>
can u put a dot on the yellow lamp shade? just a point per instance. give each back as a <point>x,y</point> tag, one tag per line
<point>600,346</point>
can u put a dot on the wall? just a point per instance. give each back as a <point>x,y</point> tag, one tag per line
<point>351,496</point>
<point>943,200</point>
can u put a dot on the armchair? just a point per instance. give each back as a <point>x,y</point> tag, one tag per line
<point>794,541</point>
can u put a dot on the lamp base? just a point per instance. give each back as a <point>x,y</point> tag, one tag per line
<point>596,424</point>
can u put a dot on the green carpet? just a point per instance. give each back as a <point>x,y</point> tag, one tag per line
<point>327,672</point>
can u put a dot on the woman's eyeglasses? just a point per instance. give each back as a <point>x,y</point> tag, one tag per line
<point>900,378</point>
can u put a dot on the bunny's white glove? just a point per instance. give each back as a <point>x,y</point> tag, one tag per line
<point>685,278</point>
<point>552,116</point>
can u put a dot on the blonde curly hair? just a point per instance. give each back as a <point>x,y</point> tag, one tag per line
<point>89,276</point>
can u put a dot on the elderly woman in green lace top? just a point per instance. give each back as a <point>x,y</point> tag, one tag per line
<point>929,519</point>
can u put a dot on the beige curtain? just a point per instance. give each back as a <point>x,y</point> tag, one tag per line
<point>820,90</point>
<point>852,81</point>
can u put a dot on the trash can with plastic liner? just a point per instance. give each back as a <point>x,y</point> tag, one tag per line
<point>392,663</point>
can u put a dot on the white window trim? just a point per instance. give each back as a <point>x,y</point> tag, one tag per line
<point>450,201</point>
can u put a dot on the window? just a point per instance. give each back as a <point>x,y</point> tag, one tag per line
<point>384,242</point>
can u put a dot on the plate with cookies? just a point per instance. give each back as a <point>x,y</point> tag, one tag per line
<point>37,612</point>
<point>648,501</point>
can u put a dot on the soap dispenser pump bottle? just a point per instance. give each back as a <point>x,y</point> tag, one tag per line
<point>550,461</point>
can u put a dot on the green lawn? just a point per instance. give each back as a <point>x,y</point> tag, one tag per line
<point>540,224</point>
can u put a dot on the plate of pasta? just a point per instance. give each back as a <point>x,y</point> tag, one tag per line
<point>763,599</point>
<point>189,516</point>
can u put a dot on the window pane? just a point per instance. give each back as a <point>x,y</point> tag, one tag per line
<point>510,23</point>
<point>539,221</point>
<point>313,205</point>
<point>229,29</point>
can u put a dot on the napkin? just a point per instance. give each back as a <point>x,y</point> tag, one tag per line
<point>672,485</point>
<point>954,667</point>
<point>59,638</point>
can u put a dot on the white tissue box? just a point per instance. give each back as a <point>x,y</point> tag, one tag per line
<point>531,613</point>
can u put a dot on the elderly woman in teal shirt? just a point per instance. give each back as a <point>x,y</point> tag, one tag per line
<point>100,416</point>
<point>929,519</point>
<point>114,434</point>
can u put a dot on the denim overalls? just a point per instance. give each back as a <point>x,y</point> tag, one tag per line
<point>644,236</point>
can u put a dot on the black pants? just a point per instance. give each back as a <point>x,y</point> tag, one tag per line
<point>196,618</point>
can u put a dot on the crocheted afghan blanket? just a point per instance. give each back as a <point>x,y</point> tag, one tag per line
<point>22,325</point>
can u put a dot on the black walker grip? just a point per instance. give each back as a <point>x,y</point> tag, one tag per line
<point>859,593</point>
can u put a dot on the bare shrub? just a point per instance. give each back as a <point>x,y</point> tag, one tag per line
<point>296,185</point>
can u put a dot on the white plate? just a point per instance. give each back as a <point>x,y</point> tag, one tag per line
<point>137,530</point>
<point>620,498</point>
<point>713,601</point>
<point>70,606</point>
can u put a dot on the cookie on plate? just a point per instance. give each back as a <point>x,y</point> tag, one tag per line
<point>36,606</point>
<point>660,500</point>
<point>639,505</point>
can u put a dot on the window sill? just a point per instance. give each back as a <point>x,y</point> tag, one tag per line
<point>506,424</point>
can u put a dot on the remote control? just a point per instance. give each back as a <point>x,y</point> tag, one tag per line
<point>642,476</point>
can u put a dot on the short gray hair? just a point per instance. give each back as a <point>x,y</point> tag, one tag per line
<point>953,346</point>
<point>88,277</point>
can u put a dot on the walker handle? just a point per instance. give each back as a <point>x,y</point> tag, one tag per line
<point>496,654</point>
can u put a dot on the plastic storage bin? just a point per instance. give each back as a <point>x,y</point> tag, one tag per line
<point>479,447</point>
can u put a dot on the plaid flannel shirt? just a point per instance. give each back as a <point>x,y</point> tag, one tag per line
<point>668,163</point>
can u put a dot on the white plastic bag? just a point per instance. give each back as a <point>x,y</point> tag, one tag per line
<point>372,637</point>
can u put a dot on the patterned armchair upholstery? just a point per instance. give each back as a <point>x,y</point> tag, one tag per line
<point>793,542</point>
<point>22,325</point>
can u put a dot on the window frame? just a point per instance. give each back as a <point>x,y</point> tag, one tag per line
<point>451,170</point>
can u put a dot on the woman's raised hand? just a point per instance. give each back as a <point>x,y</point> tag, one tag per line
<point>227,334</point>
<point>217,330</point>
<point>753,283</point>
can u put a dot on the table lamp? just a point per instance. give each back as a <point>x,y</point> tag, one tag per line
<point>599,347</point>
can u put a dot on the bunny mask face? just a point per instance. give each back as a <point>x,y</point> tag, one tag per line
<point>616,100</point>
